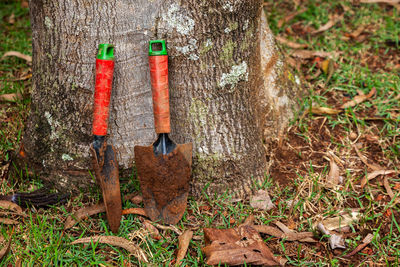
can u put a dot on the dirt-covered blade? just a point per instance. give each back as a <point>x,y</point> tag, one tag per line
<point>164,181</point>
<point>106,172</point>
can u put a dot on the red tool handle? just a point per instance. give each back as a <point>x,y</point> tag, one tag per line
<point>102,94</point>
<point>159,87</point>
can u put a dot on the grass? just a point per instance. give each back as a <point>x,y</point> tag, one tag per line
<point>363,64</point>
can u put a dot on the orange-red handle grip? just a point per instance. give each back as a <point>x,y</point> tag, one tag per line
<point>102,94</point>
<point>159,87</point>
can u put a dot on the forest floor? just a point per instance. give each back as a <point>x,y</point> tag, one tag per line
<point>337,166</point>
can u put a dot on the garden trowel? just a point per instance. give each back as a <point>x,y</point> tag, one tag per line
<point>164,167</point>
<point>105,163</point>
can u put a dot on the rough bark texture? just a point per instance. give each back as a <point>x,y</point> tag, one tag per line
<point>221,89</point>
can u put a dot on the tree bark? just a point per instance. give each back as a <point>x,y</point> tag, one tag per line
<point>228,86</point>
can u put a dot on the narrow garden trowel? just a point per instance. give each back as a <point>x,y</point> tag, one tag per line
<point>163,168</point>
<point>105,163</point>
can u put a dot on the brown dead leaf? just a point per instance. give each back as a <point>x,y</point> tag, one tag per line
<point>358,99</point>
<point>290,16</point>
<point>6,249</point>
<point>269,230</point>
<point>138,211</point>
<point>307,54</point>
<point>387,187</point>
<point>374,174</point>
<point>184,241</point>
<point>22,78</point>
<point>17,54</point>
<point>395,3</point>
<point>261,200</point>
<point>154,233</point>
<point>168,227</point>
<point>24,4</point>
<point>290,236</point>
<point>358,31</point>
<point>364,160</point>
<point>365,242</point>
<point>11,97</point>
<point>332,21</point>
<point>343,220</point>
<point>8,205</point>
<point>83,213</point>
<point>332,180</point>
<point>137,199</point>
<point>335,241</point>
<point>289,43</point>
<point>115,241</point>
<point>11,19</point>
<point>8,221</point>
<point>236,246</point>
<point>324,111</point>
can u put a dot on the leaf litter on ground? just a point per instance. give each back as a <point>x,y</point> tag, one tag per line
<point>84,213</point>
<point>6,249</point>
<point>261,200</point>
<point>184,241</point>
<point>332,22</point>
<point>236,246</point>
<point>289,43</point>
<point>115,241</point>
<point>375,174</point>
<point>17,54</point>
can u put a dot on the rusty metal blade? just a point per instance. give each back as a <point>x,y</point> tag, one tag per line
<point>164,181</point>
<point>108,177</point>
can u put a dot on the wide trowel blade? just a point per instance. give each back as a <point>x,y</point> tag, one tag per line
<point>164,181</point>
<point>108,176</point>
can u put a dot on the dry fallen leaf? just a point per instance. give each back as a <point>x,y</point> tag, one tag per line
<point>358,31</point>
<point>387,187</point>
<point>11,19</point>
<point>289,43</point>
<point>290,17</point>
<point>332,180</point>
<point>374,174</point>
<point>365,242</point>
<point>395,3</point>
<point>11,97</point>
<point>17,54</point>
<point>138,211</point>
<point>8,205</point>
<point>358,99</point>
<point>261,200</point>
<point>364,160</point>
<point>184,241</point>
<point>153,231</point>
<point>236,246</point>
<point>332,21</point>
<point>83,213</point>
<point>6,249</point>
<point>8,221</point>
<point>343,220</point>
<point>136,199</point>
<point>335,241</point>
<point>324,111</point>
<point>292,235</point>
<point>307,54</point>
<point>115,241</point>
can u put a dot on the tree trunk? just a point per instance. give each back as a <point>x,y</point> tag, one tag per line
<point>228,86</point>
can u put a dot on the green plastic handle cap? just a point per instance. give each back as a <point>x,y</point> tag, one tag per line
<point>106,52</point>
<point>161,52</point>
